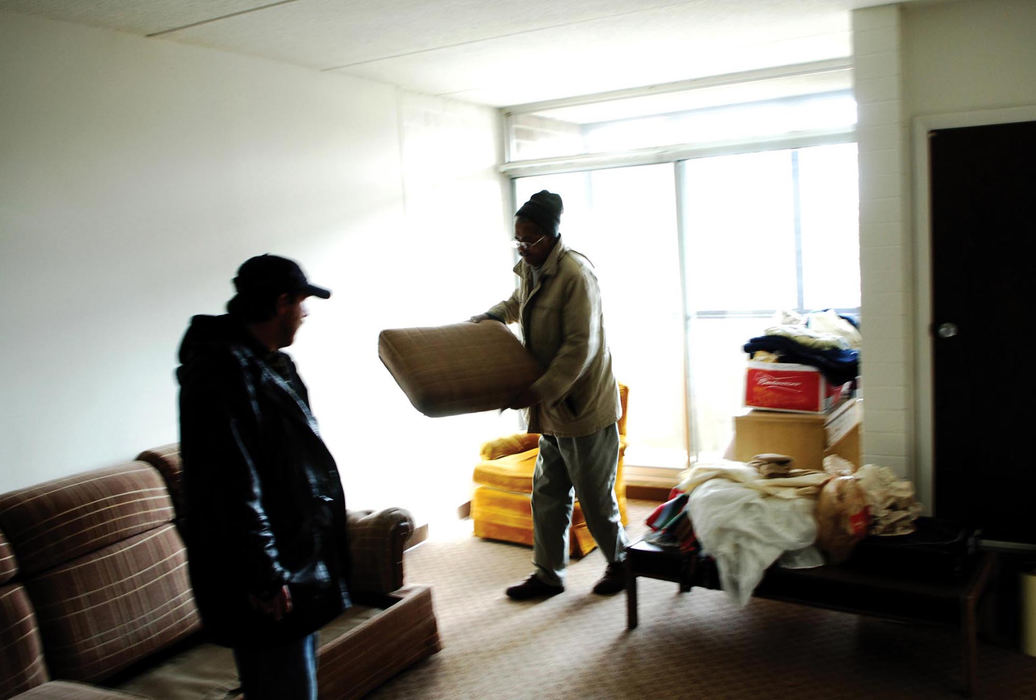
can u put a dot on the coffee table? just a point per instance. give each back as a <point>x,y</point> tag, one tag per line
<point>870,590</point>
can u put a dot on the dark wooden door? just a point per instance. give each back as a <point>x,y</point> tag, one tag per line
<point>983,206</point>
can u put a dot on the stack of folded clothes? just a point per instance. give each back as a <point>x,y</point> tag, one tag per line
<point>824,340</point>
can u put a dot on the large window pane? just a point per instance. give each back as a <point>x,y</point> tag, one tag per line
<point>740,233</point>
<point>716,365</point>
<point>624,221</point>
<point>763,232</point>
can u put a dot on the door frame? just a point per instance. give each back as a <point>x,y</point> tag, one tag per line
<point>922,291</point>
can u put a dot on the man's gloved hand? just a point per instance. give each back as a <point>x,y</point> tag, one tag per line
<point>480,318</point>
<point>276,606</point>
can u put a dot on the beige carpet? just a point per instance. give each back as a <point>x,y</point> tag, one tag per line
<point>693,645</point>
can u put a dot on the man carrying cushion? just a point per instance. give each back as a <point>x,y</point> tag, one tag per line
<point>574,405</point>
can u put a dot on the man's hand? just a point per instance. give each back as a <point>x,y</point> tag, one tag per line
<point>480,318</point>
<point>523,400</point>
<point>276,606</point>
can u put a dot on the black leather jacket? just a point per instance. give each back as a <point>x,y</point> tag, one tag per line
<point>263,501</point>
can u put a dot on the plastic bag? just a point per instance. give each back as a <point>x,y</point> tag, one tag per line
<point>843,517</point>
<point>893,507</point>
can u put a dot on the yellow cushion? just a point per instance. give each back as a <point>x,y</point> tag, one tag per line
<point>510,472</point>
<point>503,515</point>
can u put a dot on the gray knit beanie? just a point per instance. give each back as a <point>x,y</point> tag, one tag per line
<point>543,209</point>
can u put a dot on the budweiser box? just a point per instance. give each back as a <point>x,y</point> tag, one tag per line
<point>779,386</point>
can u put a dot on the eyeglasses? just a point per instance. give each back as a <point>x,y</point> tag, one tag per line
<point>525,245</point>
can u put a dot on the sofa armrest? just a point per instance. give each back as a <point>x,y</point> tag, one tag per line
<point>509,445</point>
<point>376,543</point>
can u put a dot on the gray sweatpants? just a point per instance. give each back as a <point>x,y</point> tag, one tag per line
<point>585,465</point>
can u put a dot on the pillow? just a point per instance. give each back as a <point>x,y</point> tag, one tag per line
<point>459,368</point>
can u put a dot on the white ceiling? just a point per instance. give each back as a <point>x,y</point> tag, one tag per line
<point>491,52</point>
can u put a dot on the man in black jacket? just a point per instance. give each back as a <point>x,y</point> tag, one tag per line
<point>264,517</point>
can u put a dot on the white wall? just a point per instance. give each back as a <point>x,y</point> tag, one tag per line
<point>136,174</point>
<point>969,55</point>
<point>918,60</point>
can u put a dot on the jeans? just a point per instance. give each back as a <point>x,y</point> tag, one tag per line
<point>283,672</point>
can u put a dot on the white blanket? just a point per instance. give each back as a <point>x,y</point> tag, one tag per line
<point>746,530</point>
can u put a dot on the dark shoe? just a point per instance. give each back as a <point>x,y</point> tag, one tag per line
<point>533,587</point>
<point>613,581</point>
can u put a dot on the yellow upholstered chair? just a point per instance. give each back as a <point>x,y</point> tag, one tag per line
<point>500,503</point>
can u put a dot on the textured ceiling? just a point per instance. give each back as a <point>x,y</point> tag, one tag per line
<point>490,51</point>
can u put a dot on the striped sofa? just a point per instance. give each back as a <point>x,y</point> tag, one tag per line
<point>95,600</point>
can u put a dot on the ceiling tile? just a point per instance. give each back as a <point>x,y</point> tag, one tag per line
<point>490,51</point>
<point>134,16</point>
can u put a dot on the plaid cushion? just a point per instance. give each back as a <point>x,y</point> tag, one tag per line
<point>166,459</point>
<point>57,521</point>
<point>21,651</point>
<point>105,570</point>
<point>8,564</point>
<point>460,368</point>
<point>102,612</point>
<point>63,690</point>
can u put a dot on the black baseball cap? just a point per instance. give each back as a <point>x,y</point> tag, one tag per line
<point>268,274</point>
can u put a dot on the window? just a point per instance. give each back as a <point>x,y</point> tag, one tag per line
<point>699,246</point>
<point>753,107</point>
<point>762,232</point>
<point>759,233</point>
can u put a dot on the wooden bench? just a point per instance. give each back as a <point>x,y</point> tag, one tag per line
<point>863,590</point>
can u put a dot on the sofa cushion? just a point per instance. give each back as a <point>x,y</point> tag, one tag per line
<point>459,368</point>
<point>166,459</point>
<point>203,671</point>
<point>358,650</point>
<point>106,610</point>
<point>8,564</point>
<point>60,520</point>
<point>21,650</point>
<point>104,568</point>
<point>64,690</point>
<point>511,472</point>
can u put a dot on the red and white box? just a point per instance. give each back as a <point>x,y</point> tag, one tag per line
<point>779,386</point>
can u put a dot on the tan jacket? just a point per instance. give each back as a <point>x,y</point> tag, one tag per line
<point>562,326</point>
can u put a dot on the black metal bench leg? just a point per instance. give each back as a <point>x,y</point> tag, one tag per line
<point>968,620</point>
<point>970,651</point>
<point>631,597</point>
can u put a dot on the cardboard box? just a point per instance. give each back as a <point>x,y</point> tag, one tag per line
<point>806,437</point>
<point>779,386</point>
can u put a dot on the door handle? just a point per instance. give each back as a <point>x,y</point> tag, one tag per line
<point>947,330</point>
